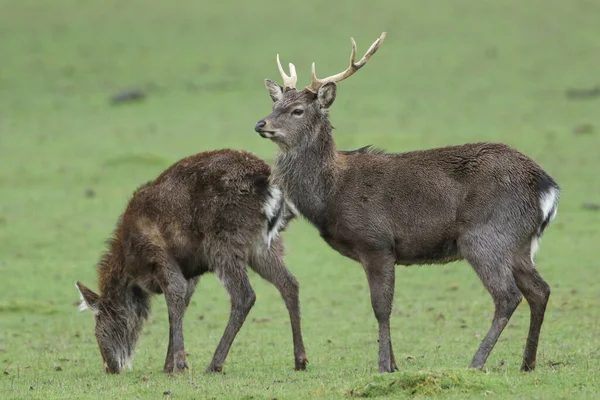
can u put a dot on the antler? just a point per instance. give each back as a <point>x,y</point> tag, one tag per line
<point>354,66</point>
<point>288,81</point>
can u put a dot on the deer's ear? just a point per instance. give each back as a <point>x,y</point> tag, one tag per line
<point>275,91</point>
<point>326,94</point>
<point>89,299</point>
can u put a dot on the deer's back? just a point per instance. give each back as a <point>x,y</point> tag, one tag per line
<point>201,206</point>
<point>442,176</point>
<point>418,202</point>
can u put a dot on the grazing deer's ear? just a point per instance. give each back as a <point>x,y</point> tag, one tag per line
<point>275,90</point>
<point>89,299</point>
<point>326,94</point>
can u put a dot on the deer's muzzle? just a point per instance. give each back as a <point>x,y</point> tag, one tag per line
<point>260,125</point>
<point>260,128</point>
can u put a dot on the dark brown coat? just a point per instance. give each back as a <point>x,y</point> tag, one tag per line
<point>486,203</point>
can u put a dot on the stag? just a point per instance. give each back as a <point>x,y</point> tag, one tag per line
<point>485,203</point>
<point>211,212</point>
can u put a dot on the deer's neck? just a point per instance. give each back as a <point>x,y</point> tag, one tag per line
<point>308,176</point>
<point>117,287</point>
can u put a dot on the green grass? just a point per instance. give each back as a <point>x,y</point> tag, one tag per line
<point>423,383</point>
<point>449,72</point>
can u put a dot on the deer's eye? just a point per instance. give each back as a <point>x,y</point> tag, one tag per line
<point>298,112</point>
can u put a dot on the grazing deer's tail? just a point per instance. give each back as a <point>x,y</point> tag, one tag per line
<point>274,209</point>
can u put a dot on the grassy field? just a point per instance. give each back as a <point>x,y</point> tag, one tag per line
<point>449,72</point>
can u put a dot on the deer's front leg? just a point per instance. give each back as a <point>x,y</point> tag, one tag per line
<point>177,292</point>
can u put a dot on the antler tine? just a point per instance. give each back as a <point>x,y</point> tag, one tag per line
<point>354,66</point>
<point>288,81</point>
<point>353,53</point>
<point>293,74</point>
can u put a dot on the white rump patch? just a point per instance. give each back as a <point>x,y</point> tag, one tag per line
<point>549,207</point>
<point>549,203</point>
<point>273,206</point>
<point>273,201</point>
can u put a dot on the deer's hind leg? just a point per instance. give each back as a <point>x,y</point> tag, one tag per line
<point>269,264</point>
<point>537,292</point>
<point>380,270</point>
<point>492,263</point>
<point>231,271</point>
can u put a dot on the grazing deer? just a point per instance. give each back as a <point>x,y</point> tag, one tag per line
<point>211,212</point>
<point>486,203</point>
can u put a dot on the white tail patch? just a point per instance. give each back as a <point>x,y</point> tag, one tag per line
<point>549,207</point>
<point>549,203</point>
<point>274,210</point>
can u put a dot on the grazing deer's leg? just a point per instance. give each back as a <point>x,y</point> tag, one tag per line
<point>235,279</point>
<point>177,295</point>
<point>537,293</point>
<point>381,276</point>
<point>191,287</point>
<point>493,268</point>
<point>269,264</point>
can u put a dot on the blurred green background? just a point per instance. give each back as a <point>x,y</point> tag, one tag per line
<point>449,72</point>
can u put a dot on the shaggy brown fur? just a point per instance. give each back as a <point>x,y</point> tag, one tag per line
<point>211,212</point>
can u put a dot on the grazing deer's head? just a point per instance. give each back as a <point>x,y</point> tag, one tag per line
<point>118,324</point>
<point>298,115</point>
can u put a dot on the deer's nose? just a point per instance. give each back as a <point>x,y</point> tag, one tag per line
<point>260,125</point>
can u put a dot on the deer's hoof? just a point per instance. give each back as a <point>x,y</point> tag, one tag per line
<point>301,363</point>
<point>214,369</point>
<point>181,366</point>
<point>478,367</point>
<point>175,368</point>
<point>527,367</point>
<point>386,366</point>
